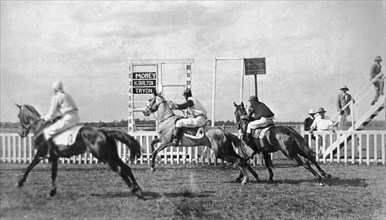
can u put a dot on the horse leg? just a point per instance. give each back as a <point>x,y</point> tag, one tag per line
<point>308,167</point>
<point>154,154</point>
<point>253,172</point>
<point>313,161</point>
<point>268,164</point>
<point>240,177</point>
<point>242,164</point>
<point>54,174</point>
<point>34,162</point>
<point>128,175</point>
<point>326,175</point>
<point>153,142</point>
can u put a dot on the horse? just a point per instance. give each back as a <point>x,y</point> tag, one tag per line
<point>219,141</point>
<point>100,143</point>
<point>284,139</point>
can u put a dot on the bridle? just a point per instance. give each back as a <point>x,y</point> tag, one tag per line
<point>154,109</point>
<point>25,128</point>
<point>241,118</point>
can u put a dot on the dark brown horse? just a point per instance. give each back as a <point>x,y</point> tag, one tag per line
<point>284,139</point>
<point>100,143</point>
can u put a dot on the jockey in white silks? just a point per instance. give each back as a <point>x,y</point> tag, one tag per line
<point>196,115</point>
<point>62,106</point>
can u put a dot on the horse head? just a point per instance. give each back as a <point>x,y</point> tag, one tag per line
<point>28,117</point>
<point>153,104</point>
<point>240,114</point>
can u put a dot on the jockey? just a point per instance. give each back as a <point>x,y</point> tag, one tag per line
<point>196,115</point>
<point>262,116</point>
<point>63,107</point>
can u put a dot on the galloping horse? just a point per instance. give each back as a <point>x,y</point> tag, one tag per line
<point>100,143</point>
<point>284,139</point>
<point>219,141</point>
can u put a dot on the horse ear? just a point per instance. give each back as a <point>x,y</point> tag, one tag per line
<point>242,104</point>
<point>155,93</point>
<point>18,105</point>
<point>235,104</point>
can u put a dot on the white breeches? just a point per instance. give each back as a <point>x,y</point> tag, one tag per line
<point>68,120</point>
<point>191,122</point>
<point>262,122</point>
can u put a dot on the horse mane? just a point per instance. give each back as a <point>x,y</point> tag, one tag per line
<point>32,110</point>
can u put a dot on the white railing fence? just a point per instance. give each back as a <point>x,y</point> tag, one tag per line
<point>368,147</point>
<point>20,150</point>
<point>360,146</point>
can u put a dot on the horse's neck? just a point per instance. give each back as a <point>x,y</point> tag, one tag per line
<point>35,122</point>
<point>164,112</point>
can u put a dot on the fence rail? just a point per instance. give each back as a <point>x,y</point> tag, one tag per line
<point>358,146</point>
<point>367,147</point>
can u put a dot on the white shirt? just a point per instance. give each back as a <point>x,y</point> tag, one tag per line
<point>61,103</point>
<point>322,124</point>
<point>197,109</point>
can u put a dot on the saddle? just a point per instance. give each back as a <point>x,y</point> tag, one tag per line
<point>67,137</point>
<point>260,132</point>
<point>193,133</point>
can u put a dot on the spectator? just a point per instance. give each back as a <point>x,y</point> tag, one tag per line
<point>308,121</point>
<point>322,122</point>
<point>379,83</point>
<point>343,99</point>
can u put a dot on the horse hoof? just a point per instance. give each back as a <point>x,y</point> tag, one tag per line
<point>153,169</point>
<point>328,177</point>
<point>238,180</point>
<point>270,181</point>
<point>321,184</point>
<point>138,192</point>
<point>19,184</point>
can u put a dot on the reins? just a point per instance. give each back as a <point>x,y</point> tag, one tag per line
<point>155,109</point>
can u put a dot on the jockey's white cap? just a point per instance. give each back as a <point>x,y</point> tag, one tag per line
<point>57,85</point>
<point>311,112</point>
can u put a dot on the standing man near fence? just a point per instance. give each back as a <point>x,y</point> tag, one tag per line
<point>343,99</point>
<point>379,83</point>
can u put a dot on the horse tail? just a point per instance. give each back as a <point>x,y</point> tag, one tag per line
<point>244,151</point>
<point>129,141</point>
<point>302,143</point>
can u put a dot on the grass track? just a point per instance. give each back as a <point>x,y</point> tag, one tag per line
<point>194,192</point>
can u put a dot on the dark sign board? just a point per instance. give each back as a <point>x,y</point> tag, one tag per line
<point>254,66</point>
<point>144,75</point>
<point>141,83</point>
<point>144,90</point>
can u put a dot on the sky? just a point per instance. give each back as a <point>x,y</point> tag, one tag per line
<point>312,48</point>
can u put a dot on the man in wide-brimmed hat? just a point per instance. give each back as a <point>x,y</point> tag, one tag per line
<point>379,84</point>
<point>321,122</point>
<point>343,99</point>
<point>308,121</point>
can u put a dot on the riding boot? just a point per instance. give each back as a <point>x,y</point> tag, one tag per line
<point>251,143</point>
<point>50,149</point>
<point>177,136</point>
